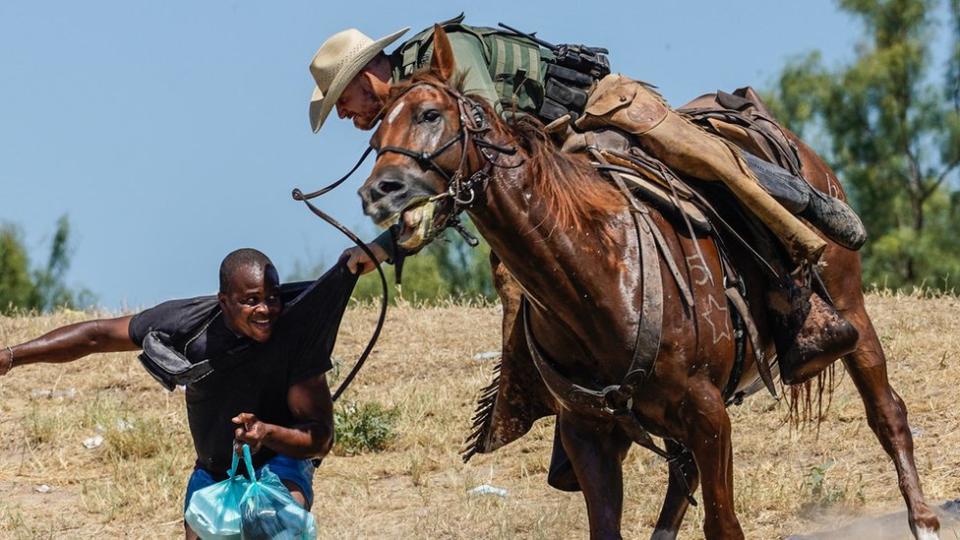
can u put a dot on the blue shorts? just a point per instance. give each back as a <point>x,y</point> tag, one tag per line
<point>298,471</point>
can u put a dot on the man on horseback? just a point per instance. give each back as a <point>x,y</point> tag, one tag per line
<point>576,327</point>
<point>515,74</point>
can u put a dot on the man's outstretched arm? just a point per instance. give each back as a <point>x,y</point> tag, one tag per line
<point>71,342</point>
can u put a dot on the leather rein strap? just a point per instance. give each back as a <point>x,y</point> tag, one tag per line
<point>300,196</point>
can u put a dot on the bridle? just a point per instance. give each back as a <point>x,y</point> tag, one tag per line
<point>472,131</point>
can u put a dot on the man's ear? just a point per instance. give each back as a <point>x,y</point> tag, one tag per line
<point>442,63</point>
<point>222,299</point>
<point>370,78</point>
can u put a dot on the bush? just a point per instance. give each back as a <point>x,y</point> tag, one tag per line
<point>367,427</point>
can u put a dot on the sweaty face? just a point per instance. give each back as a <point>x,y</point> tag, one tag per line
<point>359,103</point>
<point>252,302</point>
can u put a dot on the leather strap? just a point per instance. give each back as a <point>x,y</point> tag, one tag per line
<point>650,325</point>
<point>763,366</point>
<point>577,398</point>
<point>582,400</point>
<point>569,395</point>
<point>650,328</point>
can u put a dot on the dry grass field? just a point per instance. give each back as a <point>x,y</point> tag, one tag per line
<point>131,486</point>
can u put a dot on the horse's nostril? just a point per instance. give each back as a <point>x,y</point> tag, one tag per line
<point>389,186</point>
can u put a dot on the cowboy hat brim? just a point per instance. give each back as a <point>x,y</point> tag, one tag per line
<point>321,104</point>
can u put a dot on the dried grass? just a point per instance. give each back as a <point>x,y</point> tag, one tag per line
<point>787,481</point>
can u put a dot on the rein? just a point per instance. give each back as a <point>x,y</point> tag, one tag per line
<point>300,196</point>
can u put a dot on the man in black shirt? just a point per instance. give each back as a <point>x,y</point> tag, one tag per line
<point>264,350</point>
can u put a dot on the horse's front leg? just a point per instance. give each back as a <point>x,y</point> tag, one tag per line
<point>887,417</point>
<point>675,502</point>
<point>708,436</point>
<point>596,451</point>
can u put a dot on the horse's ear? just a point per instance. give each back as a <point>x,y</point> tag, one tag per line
<point>442,62</point>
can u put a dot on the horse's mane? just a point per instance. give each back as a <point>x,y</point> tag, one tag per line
<point>576,196</point>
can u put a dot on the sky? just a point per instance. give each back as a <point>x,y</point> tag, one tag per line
<point>173,132</point>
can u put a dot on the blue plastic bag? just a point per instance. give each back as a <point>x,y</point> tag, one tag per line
<point>269,512</point>
<point>214,511</point>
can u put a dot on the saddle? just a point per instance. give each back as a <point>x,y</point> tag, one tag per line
<point>742,119</point>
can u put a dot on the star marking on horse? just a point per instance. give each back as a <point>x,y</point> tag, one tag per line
<point>714,306</point>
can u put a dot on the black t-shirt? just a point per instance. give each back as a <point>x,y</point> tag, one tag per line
<point>249,376</point>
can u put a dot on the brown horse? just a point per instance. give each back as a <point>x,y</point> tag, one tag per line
<point>573,245</point>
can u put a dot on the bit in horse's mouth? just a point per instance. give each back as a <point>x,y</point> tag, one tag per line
<point>416,223</point>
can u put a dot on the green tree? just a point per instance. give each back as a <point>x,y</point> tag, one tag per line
<point>42,288</point>
<point>891,130</point>
<point>16,284</point>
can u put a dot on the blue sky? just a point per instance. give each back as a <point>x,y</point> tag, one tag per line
<point>173,132</point>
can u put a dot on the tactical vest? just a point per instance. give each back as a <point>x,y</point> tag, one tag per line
<point>517,65</point>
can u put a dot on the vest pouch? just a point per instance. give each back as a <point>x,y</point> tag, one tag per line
<point>569,76</point>
<point>550,110</point>
<point>166,365</point>
<point>517,69</point>
<point>572,97</point>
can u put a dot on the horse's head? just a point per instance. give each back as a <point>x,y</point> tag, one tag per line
<point>424,154</point>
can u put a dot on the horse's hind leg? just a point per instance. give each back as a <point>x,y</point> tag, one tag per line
<point>675,502</point>
<point>596,452</point>
<point>709,438</point>
<point>887,417</point>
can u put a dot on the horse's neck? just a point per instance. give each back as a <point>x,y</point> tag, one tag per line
<point>555,267</point>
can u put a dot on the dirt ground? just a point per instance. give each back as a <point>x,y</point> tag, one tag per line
<point>131,485</point>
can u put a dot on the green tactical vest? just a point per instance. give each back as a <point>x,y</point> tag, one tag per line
<point>517,65</point>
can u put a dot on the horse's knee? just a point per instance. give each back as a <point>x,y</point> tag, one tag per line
<point>585,439</point>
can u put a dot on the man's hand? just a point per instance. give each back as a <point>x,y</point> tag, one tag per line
<point>357,259</point>
<point>251,431</point>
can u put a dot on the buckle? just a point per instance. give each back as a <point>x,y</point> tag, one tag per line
<point>617,402</point>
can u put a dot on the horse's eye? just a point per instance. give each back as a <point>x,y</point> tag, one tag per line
<point>430,115</point>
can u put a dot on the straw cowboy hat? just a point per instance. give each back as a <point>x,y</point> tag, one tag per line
<point>336,63</point>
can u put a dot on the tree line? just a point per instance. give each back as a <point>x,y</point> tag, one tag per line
<point>888,122</point>
<point>37,287</point>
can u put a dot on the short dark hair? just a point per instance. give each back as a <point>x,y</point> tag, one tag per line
<point>238,259</point>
